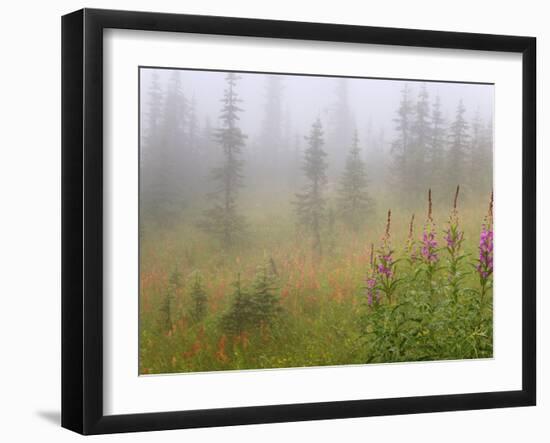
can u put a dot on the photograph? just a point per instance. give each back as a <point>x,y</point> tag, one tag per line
<point>293,220</point>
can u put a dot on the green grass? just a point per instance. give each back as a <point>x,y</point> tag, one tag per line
<point>324,317</point>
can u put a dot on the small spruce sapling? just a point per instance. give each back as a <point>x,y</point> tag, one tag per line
<point>199,298</point>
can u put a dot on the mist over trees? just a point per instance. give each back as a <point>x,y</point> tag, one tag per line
<point>215,146</point>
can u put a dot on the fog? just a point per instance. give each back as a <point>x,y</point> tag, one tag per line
<point>180,112</point>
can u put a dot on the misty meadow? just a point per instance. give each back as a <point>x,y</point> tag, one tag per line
<point>297,220</point>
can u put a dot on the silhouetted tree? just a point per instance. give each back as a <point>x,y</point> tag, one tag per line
<point>417,179</point>
<point>354,202</point>
<point>435,155</point>
<point>223,219</point>
<point>199,298</point>
<point>310,204</point>
<point>456,170</point>
<point>400,173</point>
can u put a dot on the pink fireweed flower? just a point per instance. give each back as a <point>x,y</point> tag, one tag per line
<point>370,281</point>
<point>485,266</point>
<point>370,289</point>
<point>384,258</point>
<point>429,245</point>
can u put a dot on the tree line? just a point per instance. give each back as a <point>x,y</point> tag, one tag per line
<point>178,152</point>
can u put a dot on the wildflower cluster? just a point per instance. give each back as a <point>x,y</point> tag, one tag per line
<point>385,269</point>
<point>453,235</point>
<point>370,289</point>
<point>485,265</point>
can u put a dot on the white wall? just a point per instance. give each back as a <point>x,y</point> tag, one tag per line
<point>30,218</point>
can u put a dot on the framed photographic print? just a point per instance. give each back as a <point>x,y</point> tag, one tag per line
<point>269,221</point>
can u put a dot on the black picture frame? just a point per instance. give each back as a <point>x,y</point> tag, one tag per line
<point>82,219</point>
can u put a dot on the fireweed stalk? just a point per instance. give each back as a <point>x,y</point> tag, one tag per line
<point>485,265</point>
<point>370,289</point>
<point>453,239</point>
<point>428,250</point>
<point>385,270</point>
<point>411,251</point>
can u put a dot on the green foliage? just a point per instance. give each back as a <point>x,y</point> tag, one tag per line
<point>354,202</point>
<point>199,298</point>
<point>265,300</point>
<point>310,204</point>
<point>223,219</point>
<point>255,307</point>
<point>241,314</point>
<point>459,140</point>
<point>166,308</point>
<point>417,328</point>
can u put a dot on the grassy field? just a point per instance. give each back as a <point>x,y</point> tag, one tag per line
<point>321,312</point>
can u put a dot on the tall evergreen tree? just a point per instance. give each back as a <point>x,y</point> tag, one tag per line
<point>419,135</point>
<point>481,155</point>
<point>223,219</point>
<point>310,204</point>
<point>193,129</point>
<point>354,201</point>
<point>401,145</point>
<point>436,147</point>
<point>164,177</point>
<point>150,125</point>
<point>340,125</point>
<point>459,139</point>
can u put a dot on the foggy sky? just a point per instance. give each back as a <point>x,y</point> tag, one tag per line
<point>372,101</point>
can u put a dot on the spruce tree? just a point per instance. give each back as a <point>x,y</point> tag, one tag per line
<point>223,219</point>
<point>240,316</point>
<point>420,135</point>
<point>481,152</point>
<point>265,300</point>
<point>310,204</point>
<point>459,138</point>
<point>436,147</point>
<point>340,124</point>
<point>354,202</point>
<point>170,294</point>
<point>401,146</point>
<point>150,128</point>
<point>199,298</point>
<point>272,125</point>
<point>164,180</point>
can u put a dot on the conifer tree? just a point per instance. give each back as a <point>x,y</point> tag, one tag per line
<point>310,204</point>
<point>340,124</point>
<point>151,126</point>
<point>199,298</point>
<point>420,135</point>
<point>240,316</point>
<point>223,219</point>
<point>166,309</point>
<point>459,139</point>
<point>480,171</point>
<point>354,201</point>
<point>163,186</point>
<point>400,172</point>
<point>436,146</point>
<point>265,300</point>
<point>193,126</point>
